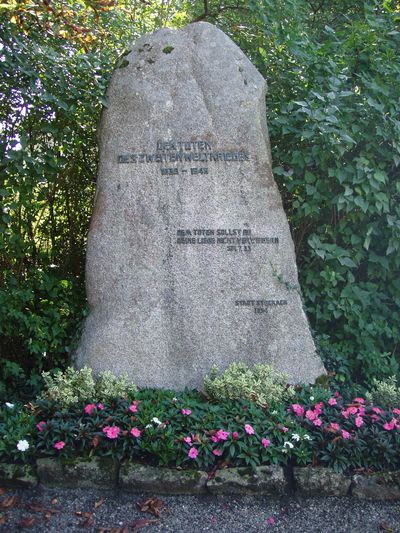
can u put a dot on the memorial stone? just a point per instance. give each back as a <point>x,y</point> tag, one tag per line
<point>190,260</point>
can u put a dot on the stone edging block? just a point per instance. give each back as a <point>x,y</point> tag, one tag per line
<point>268,480</point>
<point>14,475</point>
<point>377,486</point>
<point>320,481</point>
<point>98,473</point>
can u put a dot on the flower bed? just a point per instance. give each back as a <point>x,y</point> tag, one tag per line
<point>162,428</point>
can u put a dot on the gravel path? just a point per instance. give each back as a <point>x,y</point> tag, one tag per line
<point>108,512</point>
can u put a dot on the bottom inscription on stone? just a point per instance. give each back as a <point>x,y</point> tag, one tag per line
<point>260,306</point>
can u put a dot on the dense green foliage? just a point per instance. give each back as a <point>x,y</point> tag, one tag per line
<point>316,427</point>
<point>333,70</point>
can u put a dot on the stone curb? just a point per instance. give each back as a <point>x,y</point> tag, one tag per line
<point>265,480</point>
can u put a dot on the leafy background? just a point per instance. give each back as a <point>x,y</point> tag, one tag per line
<point>333,71</point>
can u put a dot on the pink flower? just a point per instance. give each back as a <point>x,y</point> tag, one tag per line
<point>317,422</point>
<point>186,412</point>
<point>271,520</point>
<point>310,415</point>
<point>374,418</point>
<point>59,445</point>
<point>193,453</point>
<point>89,408</point>
<point>345,434</point>
<point>345,413</point>
<point>265,442</point>
<point>133,408</point>
<point>390,425</point>
<point>111,432</point>
<point>235,435</point>
<point>135,432</point>
<point>395,411</point>
<point>217,452</point>
<point>318,408</point>
<point>100,406</point>
<point>358,400</point>
<point>40,425</point>
<point>332,401</point>
<point>285,429</point>
<point>220,435</point>
<point>298,409</point>
<point>249,429</point>
<point>377,410</point>
<point>359,421</point>
<point>334,426</point>
<point>352,410</point>
<point>188,440</point>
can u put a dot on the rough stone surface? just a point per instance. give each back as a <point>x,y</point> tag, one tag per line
<point>379,486</point>
<point>190,260</point>
<point>77,474</point>
<point>319,481</point>
<point>142,478</point>
<point>13,475</point>
<point>264,480</point>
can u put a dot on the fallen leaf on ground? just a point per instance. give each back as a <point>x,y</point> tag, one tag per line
<point>3,490</point>
<point>54,501</point>
<point>28,521</point>
<point>37,508</point>
<point>385,527</point>
<point>98,503</point>
<point>152,506</point>
<point>140,524</point>
<point>3,519</point>
<point>89,520</point>
<point>9,502</point>
<point>113,530</point>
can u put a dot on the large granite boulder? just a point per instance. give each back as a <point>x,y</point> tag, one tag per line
<point>190,260</point>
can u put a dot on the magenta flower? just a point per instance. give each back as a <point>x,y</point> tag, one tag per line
<point>100,406</point>
<point>285,429</point>
<point>378,411</point>
<point>59,445</point>
<point>334,426</point>
<point>359,421</point>
<point>40,425</point>
<point>390,425</point>
<point>111,432</point>
<point>220,435</point>
<point>217,452</point>
<point>317,422</point>
<point>310,415</point>
<point>318,408</point>
<point>133,408</point>
<point>358,400</point>
<point>374,418</point>
<point>235,435</point>
<point>271,520</point>
<point>298,409</point>
<point>265,442</point>
<point>188,440</point>
<point>332,401</point>
<point>135,432</point>
<point>249,429</point>
<point>89,408</point>
<point>186,412</point>
<point>345,434</point>
<point>193,453</point>
<point>395,410</point>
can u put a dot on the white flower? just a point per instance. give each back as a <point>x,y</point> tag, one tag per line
<point>295,436</point>
<point>288,444</point>
<point>311,398</point>
<point>307,437</point>
<point>174,399</point>
<point>23,445</point>
<point>9,405</point>
<point>284,450</point>
<point>274,412</point>
<point>156,421</point>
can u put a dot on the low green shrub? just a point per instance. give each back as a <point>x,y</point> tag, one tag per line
<point>262,384</point>
<point>73,386</point>
<point>385,392</point>
<point>17,433</point>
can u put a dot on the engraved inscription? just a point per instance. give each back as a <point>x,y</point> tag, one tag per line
<point>168,152</point>
<point>235,239</point>
<point>260,306</point>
